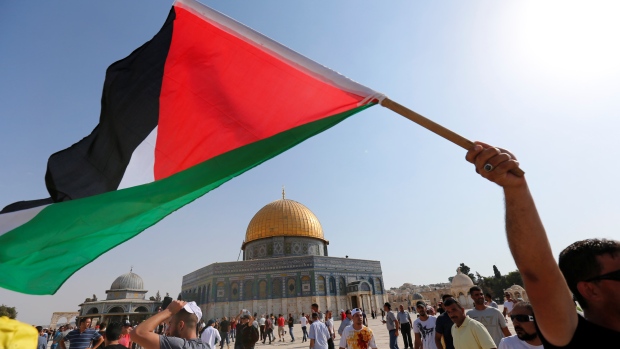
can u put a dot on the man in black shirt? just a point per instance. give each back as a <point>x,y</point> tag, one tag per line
<point>590,269</point>
<point>443,327</point>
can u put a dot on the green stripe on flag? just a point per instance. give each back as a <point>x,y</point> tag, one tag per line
<point>39,256</point>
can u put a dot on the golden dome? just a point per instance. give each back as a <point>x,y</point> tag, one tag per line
<point>284,217</point>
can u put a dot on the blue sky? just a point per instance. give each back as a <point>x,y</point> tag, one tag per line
<point>539,79</point>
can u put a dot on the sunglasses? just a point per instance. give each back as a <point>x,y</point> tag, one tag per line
<point>614,275</point>
<point>522,318</point>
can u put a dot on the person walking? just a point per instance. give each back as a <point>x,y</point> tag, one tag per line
<point>318,333</point>
<point>291,322</point>
<point>391,322</point>
<point>404,319</point>
<point>304,322</point>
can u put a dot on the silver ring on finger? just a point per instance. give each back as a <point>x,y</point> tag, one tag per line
<point>488,167</point>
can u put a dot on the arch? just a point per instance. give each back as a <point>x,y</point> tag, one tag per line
<point>57,316</point>
<point>276,288</point>
<point>248,289</point>
<point>332,285</point>
<point>342,286</point>
<point>92,310</point>
<point>291,287</point>
<point>378,285</point>
<point>234,291</point>
<point>262,289</point>
<point>141,309</point>
<point>221,290</point>
<point>320,289</point>
<point>116,309</point>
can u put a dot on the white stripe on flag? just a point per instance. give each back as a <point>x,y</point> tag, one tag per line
<point>12,220</point>
<point>141,167</point>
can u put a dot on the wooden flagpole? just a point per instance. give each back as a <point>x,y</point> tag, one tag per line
<point>435,127</point>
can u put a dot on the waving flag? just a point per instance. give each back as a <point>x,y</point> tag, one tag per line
<point>202,102</point>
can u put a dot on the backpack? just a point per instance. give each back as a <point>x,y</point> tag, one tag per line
<point>250,336</point>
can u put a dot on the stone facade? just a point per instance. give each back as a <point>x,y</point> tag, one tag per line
<point>285,285</point>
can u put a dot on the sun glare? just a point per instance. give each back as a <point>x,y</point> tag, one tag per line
<point>576,40</point>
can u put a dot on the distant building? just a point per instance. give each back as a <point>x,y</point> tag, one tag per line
<point>285,268</point>
<point>126,299</point>
<point>409,294</point>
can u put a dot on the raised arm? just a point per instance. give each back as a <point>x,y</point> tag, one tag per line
<point>527,239</point>
<point>144,333</point>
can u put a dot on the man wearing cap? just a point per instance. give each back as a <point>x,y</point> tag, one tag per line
<point>392,325</point>
<point>81,338</point>
<point>244,329</point>
<point>183,320</point>
<point>210,334</point>
<point>404,319</point>
<point>527,337</point>
<point>424,328</point>
<point>356,333</point>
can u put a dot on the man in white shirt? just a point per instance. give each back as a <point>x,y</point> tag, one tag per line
<point>329,323</point>
<point>424,328</point>
<point>304,322</point>
<point>318,333</point>
<point>210,334</point>
<point>351,335</point>
<point>508,304</point>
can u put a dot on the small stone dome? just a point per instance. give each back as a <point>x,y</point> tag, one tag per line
<point>129,281</point>
<point>417,296</point>
<point>461,280</point>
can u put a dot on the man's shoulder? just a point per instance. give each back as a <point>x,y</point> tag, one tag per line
<point>166,342</point>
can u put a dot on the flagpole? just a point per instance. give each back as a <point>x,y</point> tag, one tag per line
<point>435,127</point>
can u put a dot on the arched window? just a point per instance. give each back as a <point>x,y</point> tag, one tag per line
<point>320,287</point>
<point>332,285</point>
<point>262,289</point>
<point>234,291</point>
<point>276,288</point>
<point>221,290</point>
<point>248,292</point>
<point>291,287</point>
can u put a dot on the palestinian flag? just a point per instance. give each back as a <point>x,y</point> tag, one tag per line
<point>202,102</point>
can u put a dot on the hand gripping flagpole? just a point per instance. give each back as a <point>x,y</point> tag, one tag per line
<point>435,127</point>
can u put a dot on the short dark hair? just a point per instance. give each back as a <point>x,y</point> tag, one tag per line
<point>488,295</point>
<point>387,305</point>
<point>39,328</point>
<point>113,331</point>
<point>315,305</point>
<point>446,296</point>
<point>526,305</point>
<point>451,301</point>
<point>578,262</point>
<point>103,325</point>
<point>315,315</point>
<point>474,288</point>
<point>86,318</point>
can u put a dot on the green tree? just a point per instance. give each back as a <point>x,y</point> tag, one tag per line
<point>465,269</point>
<point>498,275</point>
<point>10,312</point>
<point>514,278</point>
